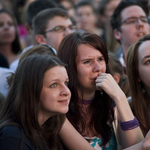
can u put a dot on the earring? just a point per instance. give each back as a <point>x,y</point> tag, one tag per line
<point>101,92</point>
<point>141,87</point>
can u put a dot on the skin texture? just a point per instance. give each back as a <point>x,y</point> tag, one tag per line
<point>86,18</point>
<point>90,63</point>
<point>130,33</point>
<point>54,38</point>
<point>7,29</point>
<point>144,64</point>
<point>55,95</point>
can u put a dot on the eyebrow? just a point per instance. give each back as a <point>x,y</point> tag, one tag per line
<point>145,57</point>
<point>91,58</point>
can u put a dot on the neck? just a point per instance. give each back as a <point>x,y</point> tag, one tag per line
<point>86,95</point>
<point>6,51</point>
<point>125,51</point>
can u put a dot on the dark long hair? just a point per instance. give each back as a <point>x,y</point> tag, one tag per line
<point>140,100</point>
<point>16,48</point>
<point>23,101</point>
<point>102,106</point>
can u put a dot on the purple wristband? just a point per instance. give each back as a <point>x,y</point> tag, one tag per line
<point>129,125</point>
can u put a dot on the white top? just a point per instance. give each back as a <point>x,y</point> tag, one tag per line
<point>4,73</point>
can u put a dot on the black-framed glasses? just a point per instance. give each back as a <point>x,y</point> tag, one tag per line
<point>61,29</point>
<point>134,20</point>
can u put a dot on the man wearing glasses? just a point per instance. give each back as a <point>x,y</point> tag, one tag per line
<point>129,22</point>
<point>51,25</point>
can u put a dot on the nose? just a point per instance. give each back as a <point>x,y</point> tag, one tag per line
<point>6,26</point>
<point>65,91</point>
<point>68,31</point>
<point>96,67</point>
<point>139,23</point>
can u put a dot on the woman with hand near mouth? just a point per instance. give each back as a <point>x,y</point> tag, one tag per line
<point>94,92</point>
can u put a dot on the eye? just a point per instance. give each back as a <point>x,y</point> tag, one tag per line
<point>144,19</point>
<point>86,62</point>
<point>66,83</point>
<point>100,59</point>
<point>147,62</point>
<point>70,27</point>
<point>131,20</point>
<point>1,24</point>
<point>58,28</point>
<point>53,85</point>
<point>10,23</point>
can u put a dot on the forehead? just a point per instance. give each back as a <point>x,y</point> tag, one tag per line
<point>144,50</point>
<point>132,11</point>
<point>85,8</point>
<point>55,72</point>
<point>4,15</point>
<point>85,50</point>
<point>58,20</point>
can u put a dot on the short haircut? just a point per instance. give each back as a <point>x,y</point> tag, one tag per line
<point>42,18</point>
<point>35,7</point>
<point>102,6</point>
<point>85,3</point>
<point>116,16</point>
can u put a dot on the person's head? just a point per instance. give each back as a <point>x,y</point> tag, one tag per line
<point>117,71</point>
<point>106,8</point>
<point>37,49</point>
<point>86,56</point>
<point>129,22</point>
<point>70,7</point>
<point>51,25</point>
<point>138,63</point>
<point>8,31</point>
<point>19,10</point>
<point>86,15</point>
<point>39,97</point>
<point>35,7</point>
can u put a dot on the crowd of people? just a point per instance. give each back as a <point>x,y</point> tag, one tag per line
<point>74,75</point>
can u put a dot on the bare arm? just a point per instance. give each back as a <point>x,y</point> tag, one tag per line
<point>72,139</point>
<point>107,83</point>
<point>144,145</point>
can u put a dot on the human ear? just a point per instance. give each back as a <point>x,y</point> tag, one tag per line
<point>116,76</point>
<point>41,39</point>
<point>117,34</point>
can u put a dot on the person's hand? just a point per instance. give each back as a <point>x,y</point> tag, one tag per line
<point>106,82</point>
<point>146,142</point>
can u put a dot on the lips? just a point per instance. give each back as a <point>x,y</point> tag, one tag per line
<point>65,102</point>
<point>141,34</point>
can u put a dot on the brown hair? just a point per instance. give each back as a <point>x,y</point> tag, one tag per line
<point>41,20</point>
<point>101,110</point>
<point>116,67</point>
<point>140,100</point>
<point>23,102</point>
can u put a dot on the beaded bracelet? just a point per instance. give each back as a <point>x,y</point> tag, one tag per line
<point>129,125</point>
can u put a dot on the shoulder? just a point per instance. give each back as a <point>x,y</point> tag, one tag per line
<point>13,137</point>
<point>10,131</point>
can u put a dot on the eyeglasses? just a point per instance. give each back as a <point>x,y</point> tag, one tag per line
<point>60,29</point>
<point>134,20</point>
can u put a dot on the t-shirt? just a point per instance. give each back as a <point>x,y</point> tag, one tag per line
<point>12,137</point>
